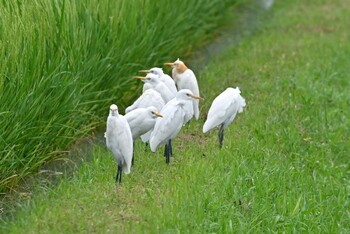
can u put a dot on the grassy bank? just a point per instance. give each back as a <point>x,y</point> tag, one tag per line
<point>284,166</point>
<point>63,62</point>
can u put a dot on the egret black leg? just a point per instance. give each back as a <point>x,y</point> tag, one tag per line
<point>146,145</point>
<point>133,153</point>
<point>120,173</point>
<point>167,154</point>
<point>118,177</point>
<point>170,148</point>
<point>166,149</point>
<point>221,135</point>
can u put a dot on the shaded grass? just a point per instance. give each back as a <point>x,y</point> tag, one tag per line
<point>64,61</point>
<point>284,165</point>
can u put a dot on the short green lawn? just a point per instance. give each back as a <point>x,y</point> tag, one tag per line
<point>284,166</point>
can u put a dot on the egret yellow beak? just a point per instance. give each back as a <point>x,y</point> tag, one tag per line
<point>197,97</point>
<point>140,77</point>
<point>169,64</point>
<point>158,115</point>
<point>145,71</point>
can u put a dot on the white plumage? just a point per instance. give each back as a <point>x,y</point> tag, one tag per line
<point>158,85</point>
<point>149,97</point>
<point>119,141</point>
<point>142,120</point>
<point>165,78</point>
<point>187,108</point>
<point>223,110</point>
<point>167,128</point>
<point>186,79</point>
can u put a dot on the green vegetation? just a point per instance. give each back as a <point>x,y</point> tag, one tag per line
<point>284,166</point>
<point>64,62</point>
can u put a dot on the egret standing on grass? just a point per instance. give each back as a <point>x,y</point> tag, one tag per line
<point>165,78</point>
<point>223,111</point>
<point>141,120</point>
<point>119,141</point>
<point>169,126</point>
<point>186,79</point>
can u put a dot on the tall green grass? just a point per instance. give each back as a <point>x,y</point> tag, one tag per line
<point>64,62</point>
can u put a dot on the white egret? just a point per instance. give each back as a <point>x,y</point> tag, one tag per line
<point>169,126</point>
<point>165,78</point>
<point>158,85</point>
<point>149,97</point>
<point>119,141</point>
<point>141,120</point>
<point>223,111</point>
<point>185,79</point>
